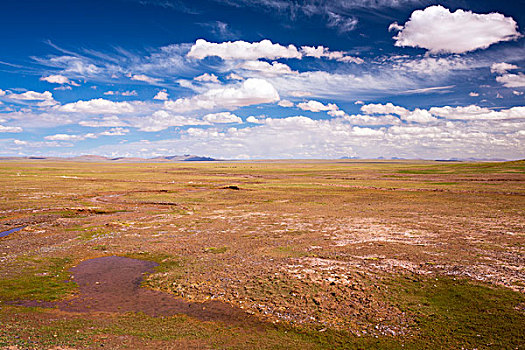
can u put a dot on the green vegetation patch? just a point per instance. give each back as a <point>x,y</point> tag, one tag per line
<point>451,313</point>
<point>215,250</point>
<point>40,279</point>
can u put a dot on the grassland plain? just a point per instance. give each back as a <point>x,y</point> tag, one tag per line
<point>326,254</point>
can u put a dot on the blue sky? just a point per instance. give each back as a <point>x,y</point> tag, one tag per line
<point>241,79</point>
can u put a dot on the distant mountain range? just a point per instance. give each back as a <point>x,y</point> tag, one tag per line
<point>93,158</point>
<point>194,158</point>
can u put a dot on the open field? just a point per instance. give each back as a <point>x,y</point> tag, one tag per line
<point>315,254</point>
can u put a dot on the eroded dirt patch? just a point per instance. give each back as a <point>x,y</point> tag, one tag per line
<point>112,284</point>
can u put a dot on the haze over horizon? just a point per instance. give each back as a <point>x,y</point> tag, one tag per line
<point>275,79</point>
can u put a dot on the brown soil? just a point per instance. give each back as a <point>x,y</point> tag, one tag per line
<point>112,284</point>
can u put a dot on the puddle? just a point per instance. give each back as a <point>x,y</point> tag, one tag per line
<point>112,284</point>
<point>13,230</point>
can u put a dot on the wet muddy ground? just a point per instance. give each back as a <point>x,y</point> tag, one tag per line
<point>113,284</point>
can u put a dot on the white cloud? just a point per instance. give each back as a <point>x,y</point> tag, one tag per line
<point>71,64</point>
<point>285,103</point>
<point>388,108</point>
<point>97,106</point>
<point>419,116</point>
<point>299,93</point>
<point>473,94</point>
<point>416,116</point>
<point>70,137</point>
<point>441,31</point>
<point>387,136</point>
<point>474,112</point>
<point>222,117</point>
<point>207,77</point>
<point>342,23</point>
<point>512,80</point>
<point>275,68</point>
<point>517,93</point>
<point>145,78</point>
<point>254,120</point>
<point>316,106</point>
<point>242,50</point>
<point>114,132</point>
<point>344,87</point>
<point>161,120</point>
<point>250,92</point>
<point>432,65</point>
<point>395,27</point>
<point>502,67</point>
<point>2,92</point>
<point>108,121</point>
<point>359,119</point>
<point>161,95</point>
<point>234,76</point>
<point>10,129</point>
<point>123,93</point>
<point>45,97</point>
<point>58,79</point>
<point>321,51</point>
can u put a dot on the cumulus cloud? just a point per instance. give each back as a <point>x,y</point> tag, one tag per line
<point>419,116</point>
<point>114,132</point>
<point>70,137</point>
<point>388,108</point>
<point>285,103</point>
<point>360,119</point>
<point>512,80</point>
<point>250,92</point>
<point>502,67</point>
<point>474,112</point>
<point>207,77</point>
<point>108,121</point>
<point>316,106</point>
<point>222,118</point>
<point>441,31</point>
<point>10,129</point>
<point>255,120</point>
<point>45,97</point>
<point>58,79</point>
<point>161,120</point>
<point>161,95</point>
<point>473,94</point>
<point>81,137</point>
<point>234,76</point>
<point>242,50</point>
<point>145,78</point>
<point>365,135</point>
<point>97,106</point>
<point>321,51</point>
<point>2,92</point>
<point>267,69</point>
